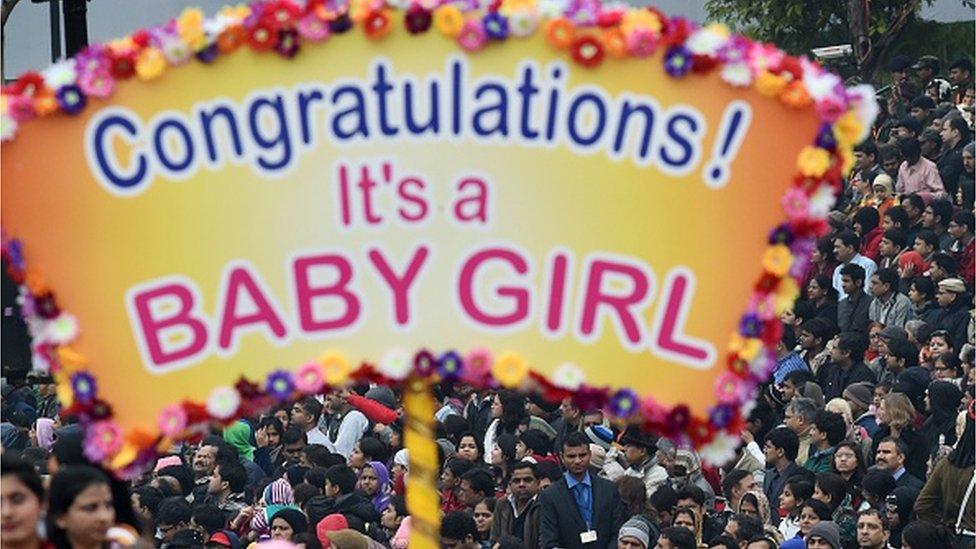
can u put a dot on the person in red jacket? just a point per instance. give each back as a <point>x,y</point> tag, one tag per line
<point>867,222</point>
<point>961,230</point>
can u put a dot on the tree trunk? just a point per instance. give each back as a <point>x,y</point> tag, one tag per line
<point>859,24</point>
<point>878,49</point>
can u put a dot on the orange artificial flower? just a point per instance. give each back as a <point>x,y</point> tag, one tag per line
<point>560,32</point>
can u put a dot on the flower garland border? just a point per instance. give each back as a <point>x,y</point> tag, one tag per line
<point>589,33</point>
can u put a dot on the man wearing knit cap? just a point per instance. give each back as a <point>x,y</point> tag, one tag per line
<point>859,396</point>
<point>600,435</point>
<point>955,304</point>
<point>824,535</point>
<point>634,534</point>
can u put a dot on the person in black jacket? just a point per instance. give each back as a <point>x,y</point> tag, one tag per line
<point>846,366</point>
<point>579,510</point>
<point>955,303</point>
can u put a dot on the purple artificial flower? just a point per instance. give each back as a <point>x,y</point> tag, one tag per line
<point>84,387</point>
<point>677,61</point>
<point>825,137</point>
<point>92,59</point>
<point>734,50</point>
<point>280,385</point>
<point>287,46</point>
<point>678,418</point>
<point>341,24</point>
<point>449,365</point>
<point>15,252</point>
<point>71,99</point>
<point>721,415</point>
<point>208,54</point>
<point>781,234</point>
<point>624,403</point>
<point>583,13</point>
<point>750,325</point>
<point>496,26</point>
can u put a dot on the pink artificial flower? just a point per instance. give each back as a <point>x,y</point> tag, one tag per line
<point>477,366</point>
<point>172,421</point>
<point>728,388</point>
<point>97,83</point>
<point>309,378</point>
<point>103,439</point>
<point>312,28</point>
<point>795,203</point>
<point>473,36</point>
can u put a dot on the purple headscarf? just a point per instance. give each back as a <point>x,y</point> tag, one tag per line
<point>44,428</point>
<point>384,490</point>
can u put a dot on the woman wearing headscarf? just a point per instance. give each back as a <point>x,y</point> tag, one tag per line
<point>239,436</point>
<point>756,503</point>
<point>899,506</point>
<point>288,522</point>
<point>276,496</point>
<point>44,432</point>
<point>942,401</point>
<point>951,484</point>
<point>374,481</point>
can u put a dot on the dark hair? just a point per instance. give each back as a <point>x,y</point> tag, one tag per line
<point>305,491</point>
<point>928,237</point>
<point>513,409</point>
<point>749,527</point>
<point>317,455</point>
<point>849,238</point>
<point>942,209</point>
<point>680,537</point>
<point>182,474</point>
<point>834,486</point>
<point>853,343</point>
<point>25,473</point>
<point>481,482</point>
<point>801,487</point>
<point>785,439</point>
<point>316,477</point>
<point>576,439</point>
<point>374,449</point>
<point>67,484</point>
<point>889,277</point>
<point>549,470</point>
<point>924,286</point>
<point>271,421</point>
<point>293,435</point>
<point>312,407</point>
<point>910,149</point>
<point>889,151</point>
<point>664,498</point>
<point>898,216</point>
<point>209,517</point>
<point>915,200</point>
<point>458,525</point>
<point>691,492</point>
<point>343,477</point>
<point>896,236</point>
<point>868,218</point>
<point>964,217</point>
<point>173,511</point>
<point>458,466</point>
<point>524,465</point>
<point>731,480</point>
<point>509,541</point>
<point>234,474</point>
<point>952,362</point>
<point>296,474</point>
<point>946,262</point>
<point>959,124</point>
<point>799,377</point>
<point>899,444</point>
<point>821,329</point>
<point>853,270</point>
<point>923,535</point>
<point>832,425</point>
<point>149,497</point>
<point>867,147</point>
<point>724,541</point>
<point>826,247</point>
<point>821,509</point>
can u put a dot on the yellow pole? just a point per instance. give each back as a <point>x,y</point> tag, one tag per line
<point>423,500</point>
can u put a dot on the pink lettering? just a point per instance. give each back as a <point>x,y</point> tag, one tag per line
<point>239,279</point>
<point>557,292</point>
<point>679,286</point>
<point>306,293</point>
<point>624,307</point>
<point>400,285</point>
<point>520,296</point>
<point>151,329</point>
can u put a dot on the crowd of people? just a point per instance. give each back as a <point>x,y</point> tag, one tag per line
<point>864,436</point>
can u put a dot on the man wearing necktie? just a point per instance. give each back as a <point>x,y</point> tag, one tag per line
<point>596,513</point>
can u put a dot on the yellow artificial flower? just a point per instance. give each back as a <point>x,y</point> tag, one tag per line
<point>125,457</point>
<point>746,348</point>
<point>190,26</point>
<point>777,260</point>
<point>813,161</point>
<point>769,84</point>
<point>848,128</point>
<point>786,294</point>
<point>640,19</point>
<point>846,159</point>
<point>335,367</point>
<point>512,6</point>
<point>150,63</point>
<point>237,13</point>
<point>449,20</point>
<point>510,370</point>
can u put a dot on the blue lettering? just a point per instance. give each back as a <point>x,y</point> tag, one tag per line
<point>498,109</point>
<point>127,182</point>
<point>358,108</point>
<point>678,137</point>
<point>280,137</point>
<point>159,144</point>
<point>206,121</point>
<point>601,118</point>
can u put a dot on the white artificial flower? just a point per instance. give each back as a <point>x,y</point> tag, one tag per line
<point>223,402</point>
<point>61,330</point>
<point>865,104</point>
<point>707,40</point>
<point>568,376</point>
<point>8,127</point>
<point>396,364</point>
<point>721,449</point>
<point>737,74</point>
<point>60,74</point>
<point>552,9</point>
<point>822,201</point>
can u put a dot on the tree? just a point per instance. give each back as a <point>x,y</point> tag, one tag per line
<point>872,27</point>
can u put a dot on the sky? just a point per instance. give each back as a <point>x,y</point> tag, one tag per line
<point>28,43</point>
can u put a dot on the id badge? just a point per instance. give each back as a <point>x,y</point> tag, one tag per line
<point>588,537</point>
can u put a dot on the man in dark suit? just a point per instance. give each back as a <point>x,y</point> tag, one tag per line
<point>579,510</point>
<point>890,457</point>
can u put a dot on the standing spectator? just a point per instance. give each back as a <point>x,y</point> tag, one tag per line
<point>517,513</point>
<point>846,246</point>
<point>889,307</point>
<point>827,432</point>
<point>891,456</point>
<point>955,135</point>
<point>955,302</point>
<point>872,530</point>
<point>796,491</point>
<point>80,509</point>
<point>858,397</point>
<point>595,514</point>
<point>952,483</point>
<point>832,490</point>
<point>780,451</point>
<point>963,245</point>
<point>458,531</point>
<point>846,366</point>
<point>305,415</point>
<point>637,460</point>
<point>899,508</point>
<point>348,425</point>
<point>799,416</point>
<point>852,310</point>
<point>961,77</point>
<point>916,173</point>
<point>226,489</point>
<point>892,245</point>
<point>634,534</point>
<point>896,415</point>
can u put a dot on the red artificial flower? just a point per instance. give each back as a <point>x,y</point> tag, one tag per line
<point>702,63</point>
<point>141,38</point>
<point>418,19</point>
<point>495,5</point>
<point>263,36</point>
<point>791,65</point>
<point>28,84</point>
<point>195,412</point>
<point>772,331</point>
<point>677,419</point>
<point>767,283</point>
<point>675,33</point>
<point>377,25</point>
<point>609,19</point>
<point>123,64</point>
<point>282,14</point>
<point>587,51</point>
<point>738,366</point>
<point>808,227</point>
<point>701,432</point>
